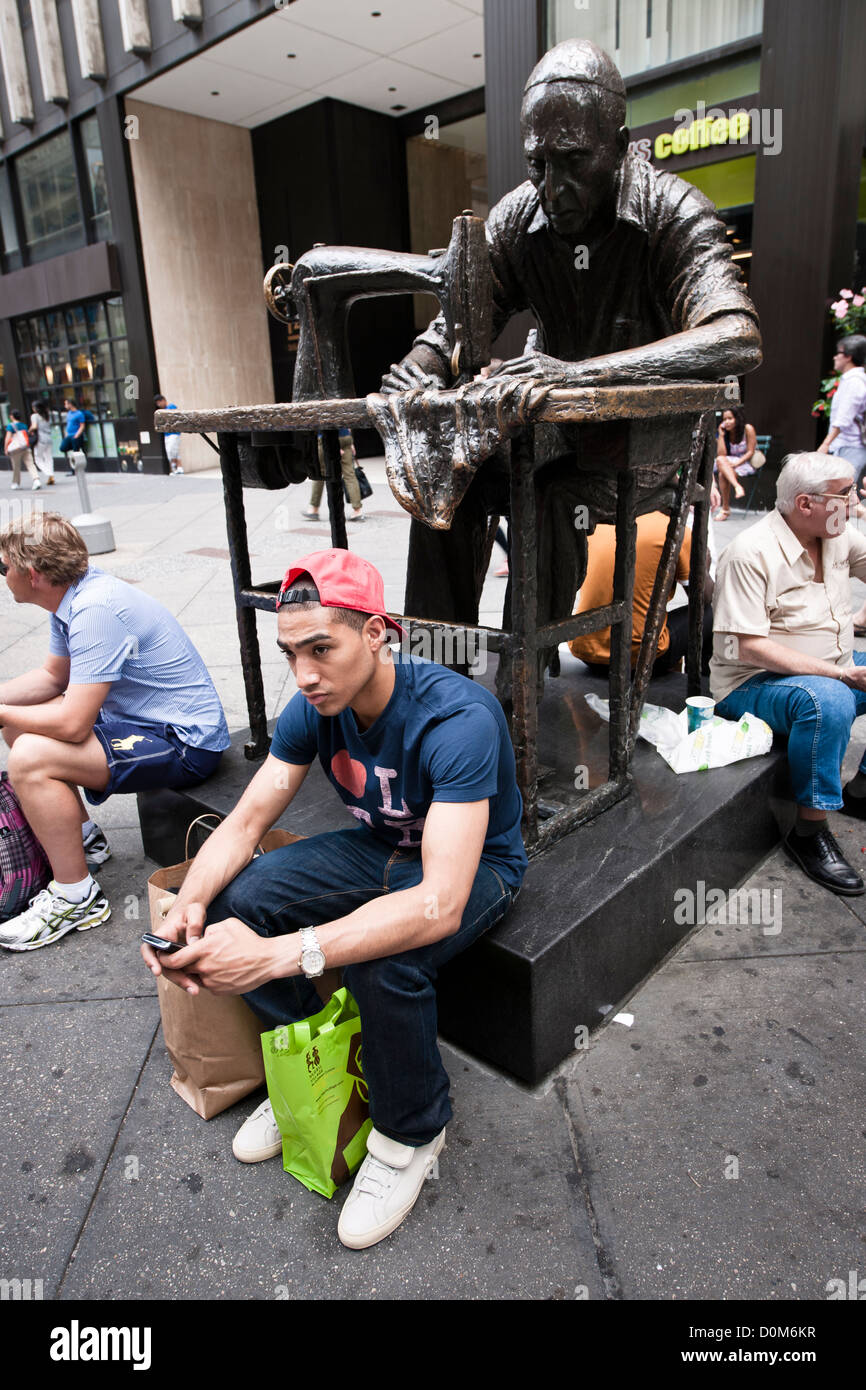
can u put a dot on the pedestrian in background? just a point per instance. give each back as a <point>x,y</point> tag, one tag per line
<point>172,441</point>
<point>737,456</point>
<point>350,480</point>
<point>848,410</point>
<point>40,440</point>
<point>17,445</point>
<point>76,424</point>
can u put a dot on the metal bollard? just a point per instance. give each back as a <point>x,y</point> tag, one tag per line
<point>95,530</point>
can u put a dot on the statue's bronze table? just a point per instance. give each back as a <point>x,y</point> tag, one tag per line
<point>683,409</point>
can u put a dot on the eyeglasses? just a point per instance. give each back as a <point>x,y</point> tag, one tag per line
<point>4,569</point>
<point>836,496</point>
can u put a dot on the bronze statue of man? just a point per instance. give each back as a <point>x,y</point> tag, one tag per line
<point>629,275</point>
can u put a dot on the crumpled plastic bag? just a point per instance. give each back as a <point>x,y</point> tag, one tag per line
<point>716,744</point>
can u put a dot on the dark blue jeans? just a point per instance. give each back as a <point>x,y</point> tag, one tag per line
<point>328,876</point>
<point>816,712</point>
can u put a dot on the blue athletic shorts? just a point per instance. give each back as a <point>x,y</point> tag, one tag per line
<point>140,758</point>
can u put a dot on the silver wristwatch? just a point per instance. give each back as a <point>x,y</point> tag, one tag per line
<point>312,955</point>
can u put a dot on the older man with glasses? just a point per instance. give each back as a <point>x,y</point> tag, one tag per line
<point>783,648</point>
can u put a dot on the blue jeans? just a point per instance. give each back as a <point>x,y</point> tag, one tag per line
<point>325,877</point>
<point>816,712</point>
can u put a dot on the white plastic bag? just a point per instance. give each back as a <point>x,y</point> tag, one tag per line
<point>717,744</point>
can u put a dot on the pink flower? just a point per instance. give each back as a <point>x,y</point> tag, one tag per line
<point>858,300</point>
<point>840,309</point>
<point>845,294</point>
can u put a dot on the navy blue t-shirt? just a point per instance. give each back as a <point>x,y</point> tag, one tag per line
<point>440,737</point>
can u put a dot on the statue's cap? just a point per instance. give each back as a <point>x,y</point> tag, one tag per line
<point>577,60</point>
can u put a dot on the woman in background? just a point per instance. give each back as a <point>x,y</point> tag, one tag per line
<point>737,456</point>
<point>17,445</point>
<point>40,432</point>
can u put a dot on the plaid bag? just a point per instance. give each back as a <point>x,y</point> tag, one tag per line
<point>24,870</point>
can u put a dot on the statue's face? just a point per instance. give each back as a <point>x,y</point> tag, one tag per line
<point>573,157</point>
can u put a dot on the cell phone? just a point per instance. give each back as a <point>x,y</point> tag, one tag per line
<point>159,943</point>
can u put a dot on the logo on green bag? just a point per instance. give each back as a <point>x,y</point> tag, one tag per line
<point>314,1065</point>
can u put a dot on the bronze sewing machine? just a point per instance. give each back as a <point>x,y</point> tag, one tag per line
<point>319,290</point>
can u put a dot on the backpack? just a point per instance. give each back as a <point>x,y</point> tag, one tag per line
<point>24,869</point>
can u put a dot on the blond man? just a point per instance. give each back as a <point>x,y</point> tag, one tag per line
<point>122,703</point>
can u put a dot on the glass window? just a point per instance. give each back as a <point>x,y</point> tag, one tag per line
<point>8,235</point>
<point>116,317</point>
<point>643,34</point>
<point>23,336</point>
<point>76,325</point>
<point>68,352</point>
<point>49,198</point>
<point>97,323</point>
<point>90,143</point>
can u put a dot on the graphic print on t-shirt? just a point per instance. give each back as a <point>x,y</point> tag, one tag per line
<point>351,774</point>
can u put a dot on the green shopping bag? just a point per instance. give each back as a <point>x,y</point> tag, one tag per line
<point>319,1095</point>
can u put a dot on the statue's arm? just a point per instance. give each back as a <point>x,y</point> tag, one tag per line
<point>728,345</point>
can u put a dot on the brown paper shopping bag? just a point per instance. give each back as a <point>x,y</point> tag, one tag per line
<point>211,1039</point>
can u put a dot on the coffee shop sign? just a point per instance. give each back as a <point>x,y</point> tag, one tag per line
<point>698,134</point>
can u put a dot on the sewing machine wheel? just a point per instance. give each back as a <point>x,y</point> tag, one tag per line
<point>277,292</point>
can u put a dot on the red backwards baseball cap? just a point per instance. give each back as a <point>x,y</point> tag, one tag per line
<point>343,580</point>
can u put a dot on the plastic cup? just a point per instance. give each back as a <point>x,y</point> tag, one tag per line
<point>699,710</point>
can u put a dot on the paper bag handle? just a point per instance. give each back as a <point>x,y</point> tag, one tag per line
<point>207,815</point>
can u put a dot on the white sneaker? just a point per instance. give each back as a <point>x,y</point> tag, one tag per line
<point>386,1189</point>
<point>51,916</point>
<point>258,1137</point>
<point>16,487</point>
<point>36,485</point>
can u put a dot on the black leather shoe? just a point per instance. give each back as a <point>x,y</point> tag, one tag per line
<point>853,805</point>
<point>820,857</point>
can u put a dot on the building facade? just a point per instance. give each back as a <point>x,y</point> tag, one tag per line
<point>157,156</point>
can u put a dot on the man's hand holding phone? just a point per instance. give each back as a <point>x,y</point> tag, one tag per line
<point>182,925</point>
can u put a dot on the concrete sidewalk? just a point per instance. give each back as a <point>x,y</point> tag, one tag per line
<point>713,1149</point>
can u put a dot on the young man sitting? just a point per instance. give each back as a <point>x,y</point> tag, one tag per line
<point>422,759</point>
<point>122,702</point>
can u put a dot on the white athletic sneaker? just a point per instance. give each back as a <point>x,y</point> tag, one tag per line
<point>258,1137</point>
<point>385,1190</point>
<point>96,847</point>
<point>51,916</point>
<point>36,485</point>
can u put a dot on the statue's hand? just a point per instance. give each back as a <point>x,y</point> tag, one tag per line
<point>408,376</point>
<point>535,364</point>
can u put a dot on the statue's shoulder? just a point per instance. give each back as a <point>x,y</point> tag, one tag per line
<point>514,212</point>
<point>652,198</point>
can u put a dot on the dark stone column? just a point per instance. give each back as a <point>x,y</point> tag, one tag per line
<point>803,242</point>
<point>513,43</point>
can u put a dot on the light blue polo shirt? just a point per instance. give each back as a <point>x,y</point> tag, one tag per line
<point>111,631</point>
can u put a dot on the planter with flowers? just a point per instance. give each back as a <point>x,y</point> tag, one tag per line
<point>847,315</point>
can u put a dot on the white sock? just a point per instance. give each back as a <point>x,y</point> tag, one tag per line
<point>73,892</point>
<point>87,828</point>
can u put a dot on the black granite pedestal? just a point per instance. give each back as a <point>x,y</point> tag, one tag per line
<point>597,911</point>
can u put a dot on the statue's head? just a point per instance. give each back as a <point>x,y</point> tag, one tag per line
<point>574,134</point>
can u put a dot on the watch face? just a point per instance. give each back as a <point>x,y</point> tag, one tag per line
<point>312,962</point>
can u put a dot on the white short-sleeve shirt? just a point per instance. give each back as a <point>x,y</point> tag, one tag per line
<point>766,588</point>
